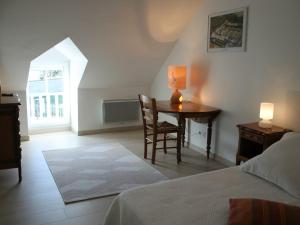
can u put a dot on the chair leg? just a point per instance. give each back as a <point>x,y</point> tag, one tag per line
<point>154,148</point>
<point>178,148</point>
<point>165,143</point>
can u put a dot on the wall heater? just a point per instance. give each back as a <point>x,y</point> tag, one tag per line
<point>121,111</point>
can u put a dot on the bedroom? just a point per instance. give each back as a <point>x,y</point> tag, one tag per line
<point>129,46</point>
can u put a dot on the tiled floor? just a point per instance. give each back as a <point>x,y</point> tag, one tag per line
<point>37,200</point>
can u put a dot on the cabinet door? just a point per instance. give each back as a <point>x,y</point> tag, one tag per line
<point>7,137</point>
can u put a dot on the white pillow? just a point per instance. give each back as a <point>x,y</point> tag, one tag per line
<point>279,164</point>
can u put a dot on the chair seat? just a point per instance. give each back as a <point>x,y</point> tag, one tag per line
<point>164,127</point>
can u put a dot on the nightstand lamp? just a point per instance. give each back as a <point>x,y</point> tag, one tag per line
<point>176,81</point>
<point>266,114</point>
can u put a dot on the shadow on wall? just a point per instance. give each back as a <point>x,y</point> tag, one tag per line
<point>198,78</point>
<point>293,110</point>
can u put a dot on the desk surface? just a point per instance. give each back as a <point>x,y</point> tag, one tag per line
<point>185,107</point>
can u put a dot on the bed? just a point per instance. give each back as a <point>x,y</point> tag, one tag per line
<point>195,200</point>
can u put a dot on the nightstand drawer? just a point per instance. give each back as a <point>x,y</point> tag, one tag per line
<point>252,137</point>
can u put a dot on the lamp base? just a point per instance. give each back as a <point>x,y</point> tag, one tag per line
<point>176,97</point>
<point>265,124</point>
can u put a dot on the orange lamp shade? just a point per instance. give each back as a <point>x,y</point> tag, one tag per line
<point>177,77</point>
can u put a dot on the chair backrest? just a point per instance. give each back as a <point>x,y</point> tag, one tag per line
<point>149,111</point>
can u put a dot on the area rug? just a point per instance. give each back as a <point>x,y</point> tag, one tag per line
<point>98,170</point>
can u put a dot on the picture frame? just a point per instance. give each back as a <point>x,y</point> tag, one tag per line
<point>227,30</point>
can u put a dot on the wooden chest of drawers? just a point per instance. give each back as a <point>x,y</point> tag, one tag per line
<point>10,143</point>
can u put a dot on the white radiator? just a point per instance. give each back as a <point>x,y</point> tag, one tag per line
<point>121,111</point>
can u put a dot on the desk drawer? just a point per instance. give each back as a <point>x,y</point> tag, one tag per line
<point>251,136</point>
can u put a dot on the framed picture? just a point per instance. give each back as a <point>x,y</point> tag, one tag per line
<point>227,30</point>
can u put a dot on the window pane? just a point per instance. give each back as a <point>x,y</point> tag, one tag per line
<point>54,74</point>
<point>60,99</point>
<point>50,74</point>
<point>56,85</point>
<point>34,75</point>
<point>38,86</point>
<point>61,106</point>
<point>44,102</point>
<point>52,105</point>
<point>36,106</point>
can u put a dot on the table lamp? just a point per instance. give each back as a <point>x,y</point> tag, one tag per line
<point>176,81</point>
<point>266,114</point>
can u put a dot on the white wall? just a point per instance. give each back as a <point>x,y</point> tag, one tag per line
<point>51,57</point>
<point>238,81</point>
<point>89,100</point>
<point>117,37</point>
<point>126,42</point>
<point>78,63</point>
<point>77,68</point>
<point>23,115</point>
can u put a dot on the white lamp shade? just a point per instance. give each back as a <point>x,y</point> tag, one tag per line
<point>266,111</point>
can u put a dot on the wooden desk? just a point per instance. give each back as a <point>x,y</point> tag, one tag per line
<point>198,112</point>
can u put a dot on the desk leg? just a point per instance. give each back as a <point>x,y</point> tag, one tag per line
<point>209,133</point>
<point>183,131</point>
<point>179,138</point>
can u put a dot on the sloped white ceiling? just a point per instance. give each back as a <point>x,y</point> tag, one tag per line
<point>125,41</point>
<point>50,57</point>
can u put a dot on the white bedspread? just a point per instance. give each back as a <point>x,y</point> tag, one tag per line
<point>195,200</point>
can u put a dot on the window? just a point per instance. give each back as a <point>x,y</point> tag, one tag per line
<point>48,96</point>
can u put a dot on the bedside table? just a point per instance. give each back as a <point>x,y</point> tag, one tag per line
<point>253,140</point>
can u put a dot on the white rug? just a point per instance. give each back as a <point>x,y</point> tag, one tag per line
<point>98,170</point>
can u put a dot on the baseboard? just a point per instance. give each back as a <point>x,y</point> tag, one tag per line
<point>224,161</point>
<point>214,156</point>
<point>108,130</point>
<point>25,138</point>
<point>48,130</point>
<point>198,149</point>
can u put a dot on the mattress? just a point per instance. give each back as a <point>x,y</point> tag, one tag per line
<point>195,200</point>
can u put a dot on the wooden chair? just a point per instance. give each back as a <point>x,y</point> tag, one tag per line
<point>152,128</point>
